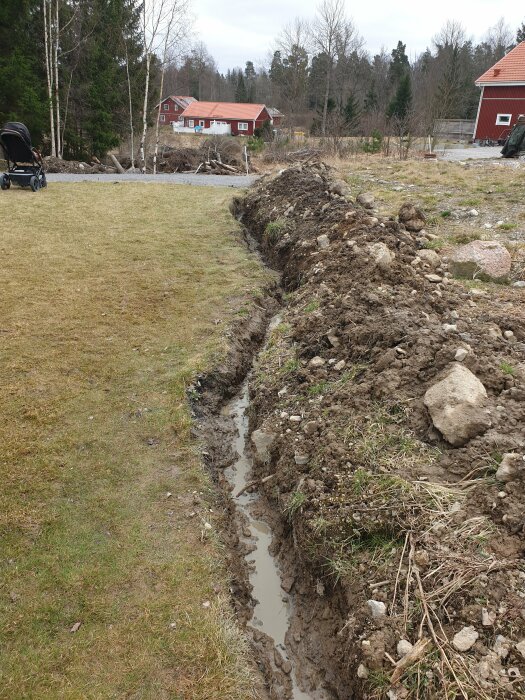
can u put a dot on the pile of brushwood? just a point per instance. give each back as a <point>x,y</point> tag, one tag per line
<point>403,543</point>
<point>218,155</point>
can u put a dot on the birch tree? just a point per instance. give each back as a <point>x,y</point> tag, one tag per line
<point>329,29</point>
<point>159,19</point>
<point>175,32</point>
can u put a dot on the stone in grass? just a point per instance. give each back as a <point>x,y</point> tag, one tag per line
<point>404,647</point>
<point>411,217</point>
<point>366,200</point>
<point>484,260</point>
<point>316,362</point>
<point>377,609</point>
<point>510,466</point>
<point>457,405</point>
<point>465,639</point>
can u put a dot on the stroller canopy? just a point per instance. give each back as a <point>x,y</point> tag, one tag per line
<point>18,128</point>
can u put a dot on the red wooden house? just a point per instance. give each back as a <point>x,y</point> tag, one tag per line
<point>172,107</point>
<point>502,96</point>
<point>243,118</point>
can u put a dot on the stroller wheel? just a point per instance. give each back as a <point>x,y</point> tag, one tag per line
<point>5,182</point>
<point>34,183</point>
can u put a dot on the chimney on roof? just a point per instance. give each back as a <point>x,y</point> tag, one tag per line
<point>497,71</point>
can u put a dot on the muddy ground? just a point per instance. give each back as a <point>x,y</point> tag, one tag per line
<point>392,541</point>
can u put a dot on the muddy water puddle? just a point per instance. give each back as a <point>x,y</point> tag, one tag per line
<point>273,607</point>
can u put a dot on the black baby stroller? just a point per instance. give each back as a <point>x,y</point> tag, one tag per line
<point>24,164</point>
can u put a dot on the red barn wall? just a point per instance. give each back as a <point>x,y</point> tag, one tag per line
<point>499,100</point>
<point>172,113</point>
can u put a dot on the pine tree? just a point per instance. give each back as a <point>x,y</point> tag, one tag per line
<point>400,106</point>
<point>351,113</point>
<point>240,91</point>
<point>22,95</point>
<point>250,76</point>
<point>399,65</point>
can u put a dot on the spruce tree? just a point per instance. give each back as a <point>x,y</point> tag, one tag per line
<point>240,90</point>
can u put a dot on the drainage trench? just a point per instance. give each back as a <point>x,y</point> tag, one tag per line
<point>273,607</point>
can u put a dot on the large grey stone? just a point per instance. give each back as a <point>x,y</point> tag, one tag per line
<point>485,260</point>
<point>511,465</point>
<point>366,200</point>
<point>456,405</point>
<point>430,257</point>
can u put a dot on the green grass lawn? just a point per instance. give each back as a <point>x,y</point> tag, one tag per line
<point>111,300</point>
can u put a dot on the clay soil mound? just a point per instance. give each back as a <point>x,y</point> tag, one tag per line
<point>390,532</point>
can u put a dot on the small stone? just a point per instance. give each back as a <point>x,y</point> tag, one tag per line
<point>514,672</point>
<point>488,617</point>
<point>381,254</point>
<point>311,427</point>
<point>366,200</point>
<point>465,639</point>
<point>316,362</point>
<point>75,627</point>
<point>323,241</point>
<point>287,583</point>
<point>430,257</point>
<point>434,278</point>
<point>340,365</point>
<point>362,671</point>
<point>262,442</point>
<point>511,464</point>
<point>502,646</point>
<point>333,339</point>
<point>404,647</point>
<point>377,608</point>
<point>301,459</point>
<point>519,284</point>
<point>295,419</point>
<point>460,355</point>
<point>473,212</point>
<point>286,667</point>
<point>509,335</point>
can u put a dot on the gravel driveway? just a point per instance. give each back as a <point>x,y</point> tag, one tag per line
<point>168,178</point>
<point>480,153</point>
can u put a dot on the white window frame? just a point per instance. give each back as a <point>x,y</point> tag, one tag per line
<point>191,123</point>
<point>166,107</point>
<point>243,126</point>
<point>505,122</point>
<point>162,119</point>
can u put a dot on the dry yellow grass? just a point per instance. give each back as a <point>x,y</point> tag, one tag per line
<point>110,297</point>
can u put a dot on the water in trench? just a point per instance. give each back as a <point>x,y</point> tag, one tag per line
<point>273,607</point>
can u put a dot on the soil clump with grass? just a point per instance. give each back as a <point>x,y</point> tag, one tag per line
<point>403,550</point>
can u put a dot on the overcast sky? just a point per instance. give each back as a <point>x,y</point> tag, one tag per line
<point>238,30</point>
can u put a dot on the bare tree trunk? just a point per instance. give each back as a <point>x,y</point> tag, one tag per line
<point>157,126</point>
<point>49,73</point>
<point>145,116</point>
<point>57,93</point>
<point>326,98</point>
<point>131,130</point>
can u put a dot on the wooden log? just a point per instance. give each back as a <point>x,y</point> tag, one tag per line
<point>117,165</point>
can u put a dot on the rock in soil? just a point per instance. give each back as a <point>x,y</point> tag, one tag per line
<point>484,260</point>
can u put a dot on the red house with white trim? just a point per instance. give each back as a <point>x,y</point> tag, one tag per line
<point>243,118</point>
<point>172,107</point>
<point>502,96</point>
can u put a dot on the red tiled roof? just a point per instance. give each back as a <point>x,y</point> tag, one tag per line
<point>511,68</point>
<point>222,110</point>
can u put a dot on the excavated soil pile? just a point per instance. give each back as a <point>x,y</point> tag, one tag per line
<point>58,165</point>
<point>389,407</point>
